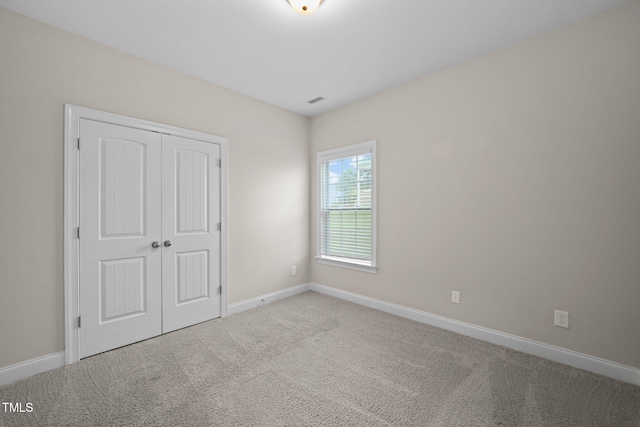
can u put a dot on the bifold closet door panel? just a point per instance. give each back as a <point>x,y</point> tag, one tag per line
<point>190,232</point>
<point>120,219</point>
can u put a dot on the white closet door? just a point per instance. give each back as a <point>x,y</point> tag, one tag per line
<point>190,233</point>
<point>120,218</point>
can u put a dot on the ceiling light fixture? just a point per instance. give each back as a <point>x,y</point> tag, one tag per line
<point>305,6</point>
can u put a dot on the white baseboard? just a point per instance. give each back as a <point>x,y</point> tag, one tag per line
<point>31,367</point>
<point>248,304</point>
<point>593,364</point>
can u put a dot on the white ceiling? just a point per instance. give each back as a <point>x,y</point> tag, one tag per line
<point>347,50</point>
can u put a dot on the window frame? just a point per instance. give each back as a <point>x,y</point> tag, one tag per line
<point>368,147</point>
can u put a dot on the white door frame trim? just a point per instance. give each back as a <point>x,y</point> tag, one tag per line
<point>72,116</point>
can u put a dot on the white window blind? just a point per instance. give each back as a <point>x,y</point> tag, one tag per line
<point>347,204</point>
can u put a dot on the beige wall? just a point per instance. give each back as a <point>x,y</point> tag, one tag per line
<point>515,179</point>
<point>41,68</point>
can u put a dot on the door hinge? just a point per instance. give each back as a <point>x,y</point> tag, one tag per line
<point>78,232</point>
<point>220,290</point>
<point>219,226</point>
<point>220,163</point>
<point>79,321</point>
<point>78,143</point>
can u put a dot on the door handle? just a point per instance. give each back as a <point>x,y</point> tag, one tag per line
<point>167,243</point>
<point>155,244</point>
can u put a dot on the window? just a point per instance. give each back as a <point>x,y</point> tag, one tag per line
<point>347,217</point>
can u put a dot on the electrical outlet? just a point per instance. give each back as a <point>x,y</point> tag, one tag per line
<point>455,297</point>
<point>561,319</point>
<point>294,270</point>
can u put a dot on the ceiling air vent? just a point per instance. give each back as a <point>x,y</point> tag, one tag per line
<point>313,101</point>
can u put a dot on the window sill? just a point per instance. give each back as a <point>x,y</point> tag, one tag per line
<point>343,263</point>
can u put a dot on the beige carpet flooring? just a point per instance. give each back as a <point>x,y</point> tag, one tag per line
<point>313,360</point>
